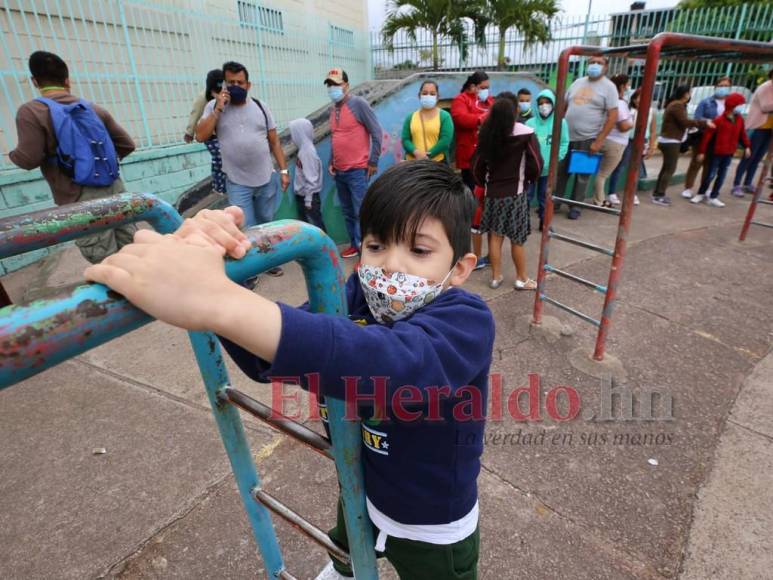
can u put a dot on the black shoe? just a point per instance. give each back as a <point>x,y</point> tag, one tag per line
<point>275,272</point>
<point>541,224</point>
<point>574,214</point>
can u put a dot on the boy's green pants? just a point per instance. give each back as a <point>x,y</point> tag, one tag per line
<point>416,560</point>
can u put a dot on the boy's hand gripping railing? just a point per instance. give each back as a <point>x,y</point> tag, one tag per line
<point>45,333</point>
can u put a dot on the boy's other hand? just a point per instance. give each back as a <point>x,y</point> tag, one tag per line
<point>331,170</point>
<point>747,152</point>
<point>700,157</point>
<point>171,280</point>
<point>219,228</point>
<point>711,125</point>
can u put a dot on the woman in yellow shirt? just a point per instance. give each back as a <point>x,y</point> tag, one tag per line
<point>428,132</point>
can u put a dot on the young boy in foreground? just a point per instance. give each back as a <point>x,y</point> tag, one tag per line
<point>421,332</point>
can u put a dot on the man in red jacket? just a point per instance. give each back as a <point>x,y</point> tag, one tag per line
<point>720,143</point>
<point>468,110</point>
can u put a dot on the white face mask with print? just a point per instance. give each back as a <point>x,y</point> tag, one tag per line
<point>398,295</point>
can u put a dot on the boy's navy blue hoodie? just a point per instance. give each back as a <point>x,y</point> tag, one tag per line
<point>417,472</point>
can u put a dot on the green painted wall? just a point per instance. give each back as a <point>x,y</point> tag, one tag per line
<point>166,172</point>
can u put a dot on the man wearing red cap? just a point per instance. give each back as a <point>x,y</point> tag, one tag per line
<point>720,144</point>
<point>354,151</point>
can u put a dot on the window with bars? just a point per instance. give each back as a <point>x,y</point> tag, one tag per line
<point>253,15</point>
<point>341,36</point>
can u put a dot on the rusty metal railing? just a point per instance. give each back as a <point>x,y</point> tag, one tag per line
<point>665,45</point>
<point>40,335</point>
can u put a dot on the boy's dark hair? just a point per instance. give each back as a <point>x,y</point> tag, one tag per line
<point>407,193</point>
<point>214,82</point>
<point>235,68</point>
<point>620,80</point>
<point>524,91</point>
<point>47,68</point>
<point>497,127</point>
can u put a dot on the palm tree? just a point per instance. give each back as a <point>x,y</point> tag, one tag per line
<point>440,17</point>
<point>530,17</point>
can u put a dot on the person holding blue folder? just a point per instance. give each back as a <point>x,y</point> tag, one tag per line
<point>591,114</point>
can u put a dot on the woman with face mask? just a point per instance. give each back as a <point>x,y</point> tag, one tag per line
<point>708,109</point>
<point>214,85</point>
<point>428,132</point>
<point>672,134</point>
<point>468,111</point>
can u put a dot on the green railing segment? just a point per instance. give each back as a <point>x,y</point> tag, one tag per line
<point>746,21</point>
<point>146,61</point>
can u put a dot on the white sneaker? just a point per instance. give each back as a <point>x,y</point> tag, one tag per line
<point>635,199</point>
<point>687,193</point>
<point>714,202</point>
<point>613,199</point>
<point>330,573</point>
<point>697,198</point>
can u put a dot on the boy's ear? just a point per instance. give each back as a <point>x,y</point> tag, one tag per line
<point>462,270</point>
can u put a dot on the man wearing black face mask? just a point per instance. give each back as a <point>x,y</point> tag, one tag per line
<point>247,134</point>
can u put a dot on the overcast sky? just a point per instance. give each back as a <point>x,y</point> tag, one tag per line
<point>376,8</point>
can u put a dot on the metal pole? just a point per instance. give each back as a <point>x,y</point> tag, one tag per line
<point>585,33</point>
<point>135,73</point>
<point>558,116</point>
<point>647,86</point>
<point>757,194</point>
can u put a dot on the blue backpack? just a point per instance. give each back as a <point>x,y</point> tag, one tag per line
<point>84,149</point>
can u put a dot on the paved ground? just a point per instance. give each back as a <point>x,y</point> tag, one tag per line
<point>592,500</point>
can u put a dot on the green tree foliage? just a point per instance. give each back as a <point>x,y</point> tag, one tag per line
<point>440,17</point>
<point>530,17</point>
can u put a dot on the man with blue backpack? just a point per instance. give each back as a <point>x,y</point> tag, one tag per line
<point>76,145</point>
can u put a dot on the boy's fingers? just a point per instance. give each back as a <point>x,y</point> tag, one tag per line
<point>204,241</point>
<point>236,213</point>
<point>111,276</point>
<point>147,237</point>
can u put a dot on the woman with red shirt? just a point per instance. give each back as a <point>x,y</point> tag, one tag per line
<point>468,110</point>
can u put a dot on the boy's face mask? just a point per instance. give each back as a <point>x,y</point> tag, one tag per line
<point>397,296</point>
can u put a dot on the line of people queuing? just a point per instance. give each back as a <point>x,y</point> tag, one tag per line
<point>502,152</point>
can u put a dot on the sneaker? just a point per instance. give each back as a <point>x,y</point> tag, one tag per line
<point>738,191</point>
<point>663,200</point>
<point>613,199</point>
<point>687,193</point>
<point>635,199</point>
<point>482,262</point>
<point>349,252</point>
<point>275,272</point>
<point>714,202</point>
<point>330,573</point>
<point>697,198</point>
<point>574,214</point>
<point>748,188</point>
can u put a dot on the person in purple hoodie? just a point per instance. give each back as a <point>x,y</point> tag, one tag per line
<point>410,325</point>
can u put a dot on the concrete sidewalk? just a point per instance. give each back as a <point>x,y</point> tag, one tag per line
<point>580,499</point>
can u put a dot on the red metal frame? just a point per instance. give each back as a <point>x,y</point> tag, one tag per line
<point>668,45</point>
<point>757,199</point>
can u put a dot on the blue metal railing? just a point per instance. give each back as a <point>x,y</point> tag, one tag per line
<point>36,337</point>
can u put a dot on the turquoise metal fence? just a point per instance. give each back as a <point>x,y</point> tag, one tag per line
<point>36,337</point>
<point>746,21</point>
<point>146,61</point>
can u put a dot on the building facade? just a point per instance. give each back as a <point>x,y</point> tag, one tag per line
<point>145,61</point>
